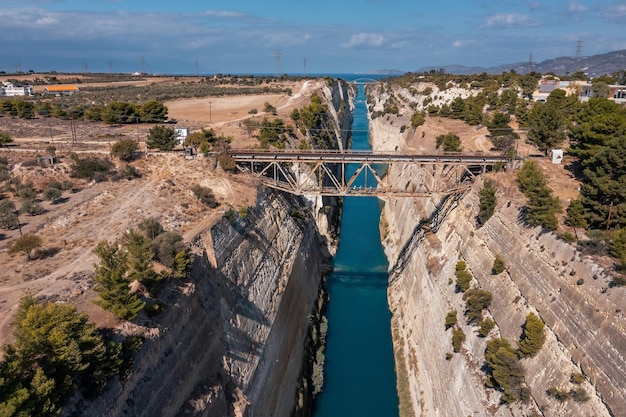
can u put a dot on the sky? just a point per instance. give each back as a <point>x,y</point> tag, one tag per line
<point>299,36</point>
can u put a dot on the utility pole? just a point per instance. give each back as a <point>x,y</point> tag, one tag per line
<point>143,65</point>
<point>277,69</point>
<point>579,50</point>
<point>608,220</point>
<point>110,66</point>
<point>530,63</point>
<point>304,64</point>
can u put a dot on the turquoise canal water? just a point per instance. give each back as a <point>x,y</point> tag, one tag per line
<point>359,374</point>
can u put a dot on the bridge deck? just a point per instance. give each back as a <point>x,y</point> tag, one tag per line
<point>363,156</point>
<point>326,172</point>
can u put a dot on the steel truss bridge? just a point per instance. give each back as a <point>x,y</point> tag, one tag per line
<point>327,173</point>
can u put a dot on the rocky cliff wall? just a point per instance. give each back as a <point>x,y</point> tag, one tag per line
<point>231,342</point>
<point>584,322</point>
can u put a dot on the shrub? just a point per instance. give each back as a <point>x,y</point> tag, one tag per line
<point>227,162</point>
<point>449,142</point>
<point>579,394</point>
<point>268,108</point>
<point>26,244</point>
<point>297,214</point>
<point>230,215</point>
<point>498,265</point>
<point>124,149</point>
<point>128,172</point>
<point>4,139</point>
<point>26,191</point>
<point>150,227</point>
<point>533,337</point>
<point>166,246</point>
<point>67,185</point>
<point>618,281</point>
<point>450,319</point>
<point>52,194</point>
<point>418,119</point>
<point>8,217</point>
<point>205,195</point>
<point>31,207</point>
<point>577,378</point>
<point>90,166</point>
<point>458,337</point>
<point>504,370</point>
<point>475,301</point>
<point>463,277</point>
<point>559,394</point>
<point>566,237</point>
<point>485,327</point>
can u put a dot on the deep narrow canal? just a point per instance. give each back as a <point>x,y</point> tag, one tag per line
<point>359,375</point>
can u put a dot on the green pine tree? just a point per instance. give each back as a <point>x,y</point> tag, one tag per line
<point>487,202</point>
<point>112,284</point>
<point>533,337</point>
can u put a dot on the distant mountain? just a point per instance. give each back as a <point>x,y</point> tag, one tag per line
<point>591,65</point>
<point>388,72</point>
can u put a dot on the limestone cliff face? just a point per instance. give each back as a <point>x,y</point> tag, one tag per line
<point>584,322</point>
<point>231,342</point>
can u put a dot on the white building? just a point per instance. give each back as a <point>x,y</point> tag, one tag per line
<point>181,134</point>
<point>10,90</point>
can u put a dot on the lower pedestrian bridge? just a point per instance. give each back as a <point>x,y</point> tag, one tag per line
<point>364,173</point>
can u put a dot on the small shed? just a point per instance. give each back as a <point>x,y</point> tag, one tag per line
<point>556,156</point>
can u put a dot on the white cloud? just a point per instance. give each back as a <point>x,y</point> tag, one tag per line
<point>364,39</point>
<point>614,13</point>
<point>576,7</point>
<point>509,20</point>
<point>46,21</point>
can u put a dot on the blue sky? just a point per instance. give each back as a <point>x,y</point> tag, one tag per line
<point>332,36</point>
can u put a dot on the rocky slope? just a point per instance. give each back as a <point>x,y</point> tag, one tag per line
<point>583,317</point>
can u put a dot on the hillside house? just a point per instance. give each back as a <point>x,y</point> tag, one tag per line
<point>9,89</point>
<point>617,93</point>
<point>60,90</point>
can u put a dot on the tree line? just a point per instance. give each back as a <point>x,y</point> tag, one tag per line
<point>116,112</point>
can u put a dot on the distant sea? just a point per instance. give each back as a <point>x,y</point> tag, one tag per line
<point>343,76</point>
